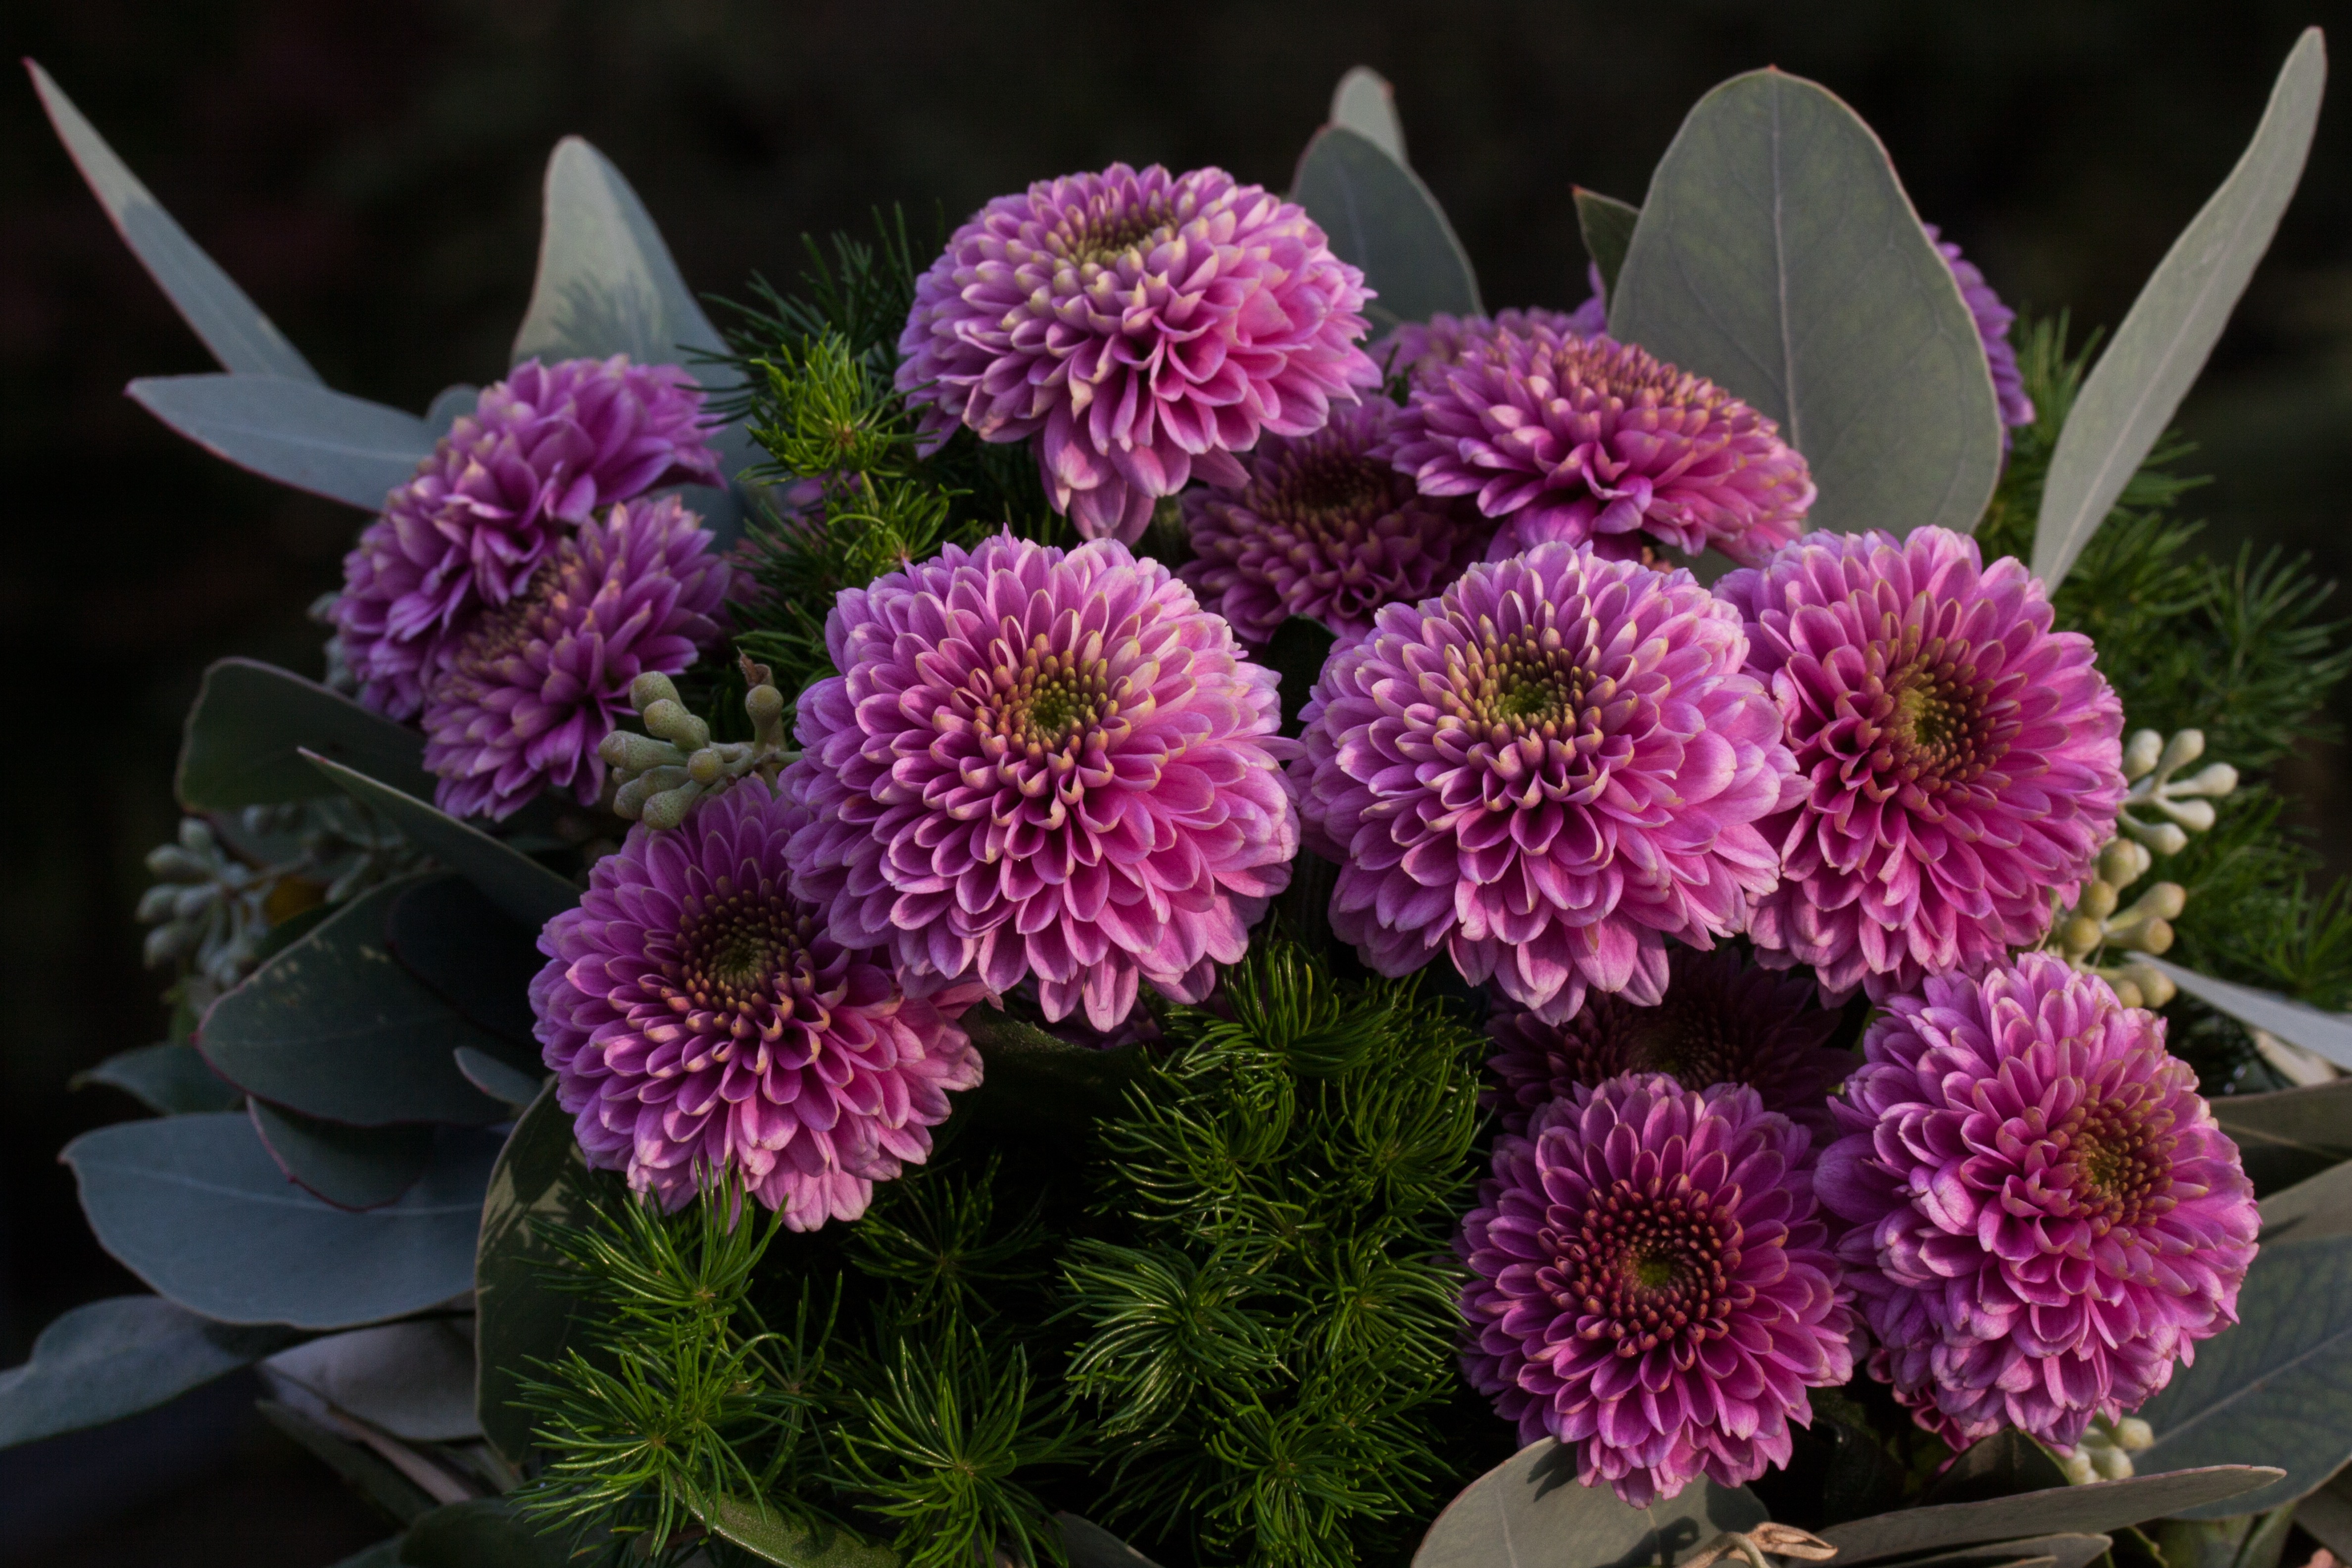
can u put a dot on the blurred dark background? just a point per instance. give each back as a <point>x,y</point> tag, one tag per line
<point>370,172</point>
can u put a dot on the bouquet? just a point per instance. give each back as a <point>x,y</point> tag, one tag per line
<point>1130,884</point>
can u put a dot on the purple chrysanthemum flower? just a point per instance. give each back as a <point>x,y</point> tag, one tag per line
<point>544,450</point>
<point>1325,528</point>
<point>1722,1021</point>
<point>1993,320</point>
<point>1962,761</point>
<point>1652,1284</point>
<point>1144,326</point>
<point>703,1024</point>
<point>1419,349</point>
<point>1042,765</point>
<point>526,691</point>
<point>2045,1216</point>
<point>1589,440</point>
<point>1546,772</point>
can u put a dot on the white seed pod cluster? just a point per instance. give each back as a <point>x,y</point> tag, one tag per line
<point>661,774</point>
<point>2101,934</point>
<point>2105,1452</point>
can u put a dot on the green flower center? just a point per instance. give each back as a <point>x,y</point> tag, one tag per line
<point>1937,727</point>
<point>740,949</point>
<point>1528,683</point>
<point>1046,700</point>
<point>1104,239</point>
<point>2122,1161</point>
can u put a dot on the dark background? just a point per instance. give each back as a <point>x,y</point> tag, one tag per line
<point>370,172</point>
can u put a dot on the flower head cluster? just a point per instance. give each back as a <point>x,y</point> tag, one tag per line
<point>1962,761</point>
<point>1422,349</point>
<point>1588,440</point>
<point>1042,765</point>
<point>543,451</point>
<point>529,689</point>
<point>2045,1216</point>
<point>1144,326</point>
<point>1325,528</point>
<point>1993,320</point>
<point>1651,1285</point>
<point>703,1024</point>
<point>1721,1021</point>
<point>1547,771</point>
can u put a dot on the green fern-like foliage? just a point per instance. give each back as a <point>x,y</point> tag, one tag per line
<point>1268,1300</point>
<point>2243,647</point>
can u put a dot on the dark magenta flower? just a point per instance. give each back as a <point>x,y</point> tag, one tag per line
<point>1040,764</point>
<point>1590,441</point>
<point>544,450</point>
<point>1993,320</point>
<point>702,1024</point>
<point>1143,326</point>
<point>2044,1216</point>
<point>1652,1286</point>
<point>1325,528</point>
<point>527,690</point>
<point>1544,773</point>
<point>1962,762</point>
<point>1721,1021</point>
<point>1419,349</point>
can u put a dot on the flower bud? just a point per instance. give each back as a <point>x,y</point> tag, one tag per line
<point>2153,936</point>
<point>650,688</point>
<point>2128,993</point>
<point>2123,862</point>
<point>2081,935</point>
<point>2098,900</point>
<point>706,767</point>
<point>2165,900</point>
<point>668,808</point>
<point>2181,750</point>
<point>765,704</point>
<point>2132,1435</point>
<point>2196,815</point>
<point>2112,1464</point>
<point>2218,780</point>
<point>2078,1468</point>
<point>2141,753</point>
<point>2164,837</point>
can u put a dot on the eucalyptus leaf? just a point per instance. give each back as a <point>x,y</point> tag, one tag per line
<point>350,1167</point>
<point>2312,1210</point>
<point>2277,1387</point>
<point>772,1538</point>
<point>2058,1551</point>
<point>1366,104</point>
<point>1606,225</point>
<point>244,737</point>
<point>168,1079</point>
<point>467,950</point>
<point>2003,1465</point>
<point>2327,1515</point>
<point>114,1358</point>
<point>2132,393</point>
<point>415,1380</point>
<point>1037,1078</point>
<point>2297,1022</point>
<point>528,892</point>
<point>195,1206</point>
<point>295,432</point>
<point>1089,1545</point>
<point>1530,1511</point>
<point>368,1473</point>
<point>1776,255</point>
<point>489,1532</point>
<point>496,1078</point>
<point>2096,1508</point>
<point>2292,1134</point>
<point>520,1318</point>
<point>239,336</point>
<point>1377,214</point>
<point>334,1027</point>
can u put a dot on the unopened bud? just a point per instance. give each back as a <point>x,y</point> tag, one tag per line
<point>2196,815</point>
<point>2080,935</point>
<point>670,721</point>
<point>765,703</point>
<point>2164,837</point>
<point>2123,862</point>
<point>2165,900</point>
<point>2112,1464</point>
<point>668,808</point>
<point>706,767</point>
<point>2217,780</point>
<point>650,688</point>
<point>2153,936</point>
<point>2153,986</point>
<point>2128,993</point>
<point>2183,750</point>
<point>2098,900</point>
<point>2141,753</point>
<point>2132,1435</point>
<point>2078,1468</point>
<point>633,752</point>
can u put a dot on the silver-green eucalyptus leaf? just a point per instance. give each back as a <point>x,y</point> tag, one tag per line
<point>2132,393</point>
<point>414,1380</point>
<point>1365,103</point>
<point>2297,1022</point>
<point>1378,214</point>
<point>2098,1507</point>
<point>1606,226</point>
<point>1530,1511</point>
<point>296,432</point>
<point>1778,255</point>
<point>114,1358</point>
<point>351,1167</point>
<point>525,890</point>
<point>244,735</point>
<point>231,325</point>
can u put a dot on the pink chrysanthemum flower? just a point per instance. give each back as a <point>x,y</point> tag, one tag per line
<point>1544,772</point>
<point>1041,765</point>
<point>1326,528</point>
<point>1143,326</point>
<point>2045,1216</point>
<point>1962,761</point>
<point>544,450</point>
<point>1651,1286</point>
<point>1722,1021</point>
<point>528,689</point>
<point>703,1024</point>
<point>1588,440</point>
<point>1993,320</point>
<point>1420,349</point>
